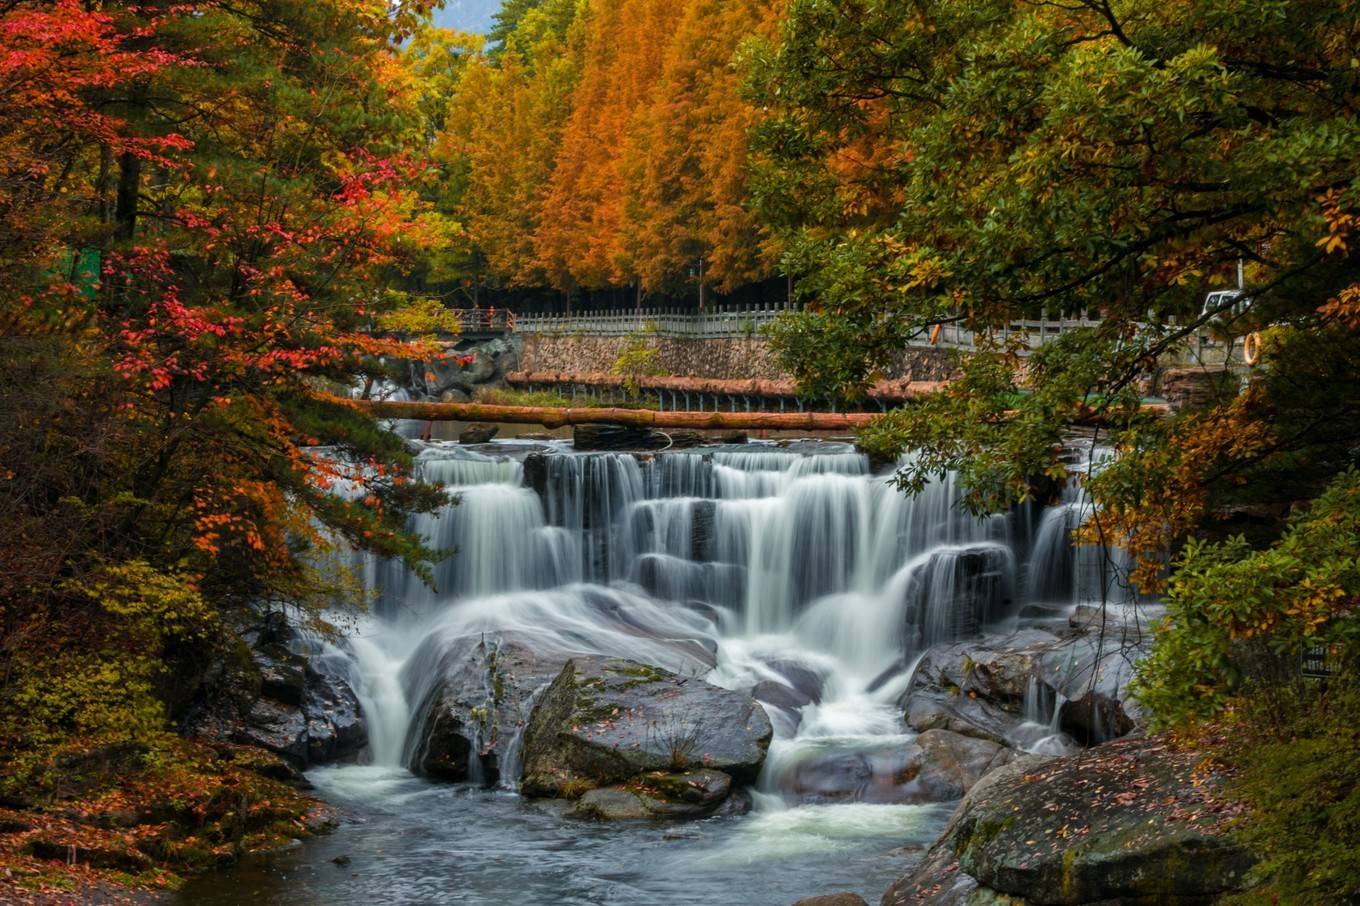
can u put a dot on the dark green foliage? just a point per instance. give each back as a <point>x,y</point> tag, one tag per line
<point>1297,760</point>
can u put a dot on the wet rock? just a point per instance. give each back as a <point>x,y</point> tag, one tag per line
<point>779,695</point>
<point>691,794</point>
<point>478,434</point>
<point>277,727</point>
<point>937,766</point>
<point>881,774</point>
<point>306,710</point>
<point>660,795</point>
<point>1091,676</point>
<point>473,697</point>
<point>806,681</point>
<point>283,675</point>
<point>607,720</point>
<point>616,437</point>
<point>952,763</point>
<point>536,474</point>
<point>611,803</point>
<point>833,899</point>
<point>737,803</point>
<point>1128,821</point>
<point>978,687</point>
<point>446,749</point>
<point>978,718</point>
<point>995,668</point>
<point>454,395</point>
<point>335,723</point>
<point>473,364</point>
<point>956,592</point>
<point>936,880</point>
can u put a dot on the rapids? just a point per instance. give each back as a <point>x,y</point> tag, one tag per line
<point>794,566</point>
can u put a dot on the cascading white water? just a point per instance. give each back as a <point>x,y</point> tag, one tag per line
<point>798,566</point>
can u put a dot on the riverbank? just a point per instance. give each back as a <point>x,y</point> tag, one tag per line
<point>128,824</point>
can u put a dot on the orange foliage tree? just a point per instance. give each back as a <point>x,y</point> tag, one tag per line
<point>200,207</point>
<point>605,145</point>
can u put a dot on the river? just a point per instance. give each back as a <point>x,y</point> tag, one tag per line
<point>793,567</point>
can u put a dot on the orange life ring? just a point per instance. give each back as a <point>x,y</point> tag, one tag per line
<point>1251,348</point>
<point>935,334</point>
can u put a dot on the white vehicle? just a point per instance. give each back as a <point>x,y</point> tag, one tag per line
<point>1224,306</point>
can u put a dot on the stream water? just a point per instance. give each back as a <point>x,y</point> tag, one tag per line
<point>791,567</point>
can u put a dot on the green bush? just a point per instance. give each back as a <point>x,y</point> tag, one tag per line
<point>1237,617</point>
<point>1298,754</point>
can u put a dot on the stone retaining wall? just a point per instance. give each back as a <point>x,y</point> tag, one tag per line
<point>730,359</point>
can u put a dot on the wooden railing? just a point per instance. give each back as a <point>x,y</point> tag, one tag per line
<point>727,322</point>
<point>749,321</point>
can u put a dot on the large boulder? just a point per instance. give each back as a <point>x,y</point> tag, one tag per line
<point>951,763</point>
<point>995,668</point>
<point>473,696</point>
<point>306,710</point>
<point>335,722</point>
<point>1131,821</point>
<point>991,686</point>
<point>608,720</point>
<point>470,365</point>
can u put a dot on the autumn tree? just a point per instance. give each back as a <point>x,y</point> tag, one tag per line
<point>604,145</point>
<point>502,135</point>
<point>685,162</point>
<point>243,177</point>
<point>1011,159</point>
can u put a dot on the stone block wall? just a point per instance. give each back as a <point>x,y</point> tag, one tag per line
<point>741,358</point>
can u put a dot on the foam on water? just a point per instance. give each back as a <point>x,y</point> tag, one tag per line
<point>796,567</point>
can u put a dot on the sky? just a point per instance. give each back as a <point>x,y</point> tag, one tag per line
<point>467,15</point>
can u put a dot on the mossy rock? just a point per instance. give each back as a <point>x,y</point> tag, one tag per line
<point>608,720</point>
<point>692,794</point>
<point>1126,821</point>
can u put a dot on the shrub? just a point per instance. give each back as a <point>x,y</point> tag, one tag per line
<point>1298,754</point>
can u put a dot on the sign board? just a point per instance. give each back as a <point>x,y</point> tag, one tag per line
<point>1320,661</point>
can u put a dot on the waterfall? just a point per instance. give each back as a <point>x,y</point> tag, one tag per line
<point>749,565</point>
<point>1063,573</point>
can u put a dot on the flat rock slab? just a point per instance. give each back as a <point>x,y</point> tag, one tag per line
<point>608,720</point>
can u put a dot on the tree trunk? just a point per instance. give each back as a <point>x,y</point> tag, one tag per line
<point>555,417</point>
<point>129,187</point>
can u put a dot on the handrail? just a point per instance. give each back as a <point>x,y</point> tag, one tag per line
<point>747,321</point>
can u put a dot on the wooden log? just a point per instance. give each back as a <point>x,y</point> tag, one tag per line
<point>553,417</point>
<point>557,417</point>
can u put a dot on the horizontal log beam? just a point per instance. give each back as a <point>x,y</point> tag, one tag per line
<point>553,417</point>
